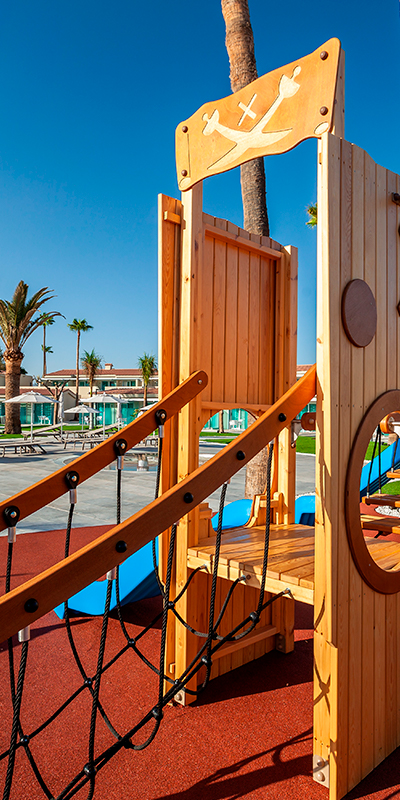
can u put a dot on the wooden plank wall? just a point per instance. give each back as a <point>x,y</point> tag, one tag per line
<point>357,638</point>
<point>228,301</point>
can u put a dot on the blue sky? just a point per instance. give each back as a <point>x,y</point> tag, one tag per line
<point>90,95</point>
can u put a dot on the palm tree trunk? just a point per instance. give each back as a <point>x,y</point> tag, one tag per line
<point>145,393</point>
<point>78,336</point>
<point>44,352</point>
<point>240,46</point>
<point>13,361</point>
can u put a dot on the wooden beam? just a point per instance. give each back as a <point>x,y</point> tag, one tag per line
<point>86,565</point>
<point>53,486</point>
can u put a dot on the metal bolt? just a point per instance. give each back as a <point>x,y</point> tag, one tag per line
<point>31,605</point>
<point>320,776</point>
<point>121,547</point>
<point>323,111</point>
<point>396,198</point>
<point>200,381</point>
<point>13,514</point>
<point>323,55</point>
<point>240,455</point>
<point>184,173</point>
<point>185,128</point>
<point>320,763</point>
<point>282,417</point>
<point>188,497</point>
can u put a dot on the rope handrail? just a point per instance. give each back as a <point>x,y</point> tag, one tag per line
<point>54,485</point>
<point>72,574</point>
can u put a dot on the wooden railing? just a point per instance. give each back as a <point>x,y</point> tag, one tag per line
<point>54,485</point>
<point>61,581</point>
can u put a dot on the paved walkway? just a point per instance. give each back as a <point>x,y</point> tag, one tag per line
<point>97,497</point>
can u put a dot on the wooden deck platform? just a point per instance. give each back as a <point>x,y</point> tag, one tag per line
<point>290,561</point>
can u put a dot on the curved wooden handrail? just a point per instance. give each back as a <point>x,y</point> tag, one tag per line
<point>54,485</point>
<point>72,574</point>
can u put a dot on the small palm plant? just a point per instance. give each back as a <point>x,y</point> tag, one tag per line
<point>148,366</point>
<point>47,319</point>
<point>91,363</point>
<point>80,326</point>
<point>17,323</point>
<point>312,211</point>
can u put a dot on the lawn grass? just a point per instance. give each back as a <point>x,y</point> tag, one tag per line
<point>393,487</point>
<point>305,444</point>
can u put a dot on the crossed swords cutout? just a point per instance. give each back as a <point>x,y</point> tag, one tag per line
<point>256,136</point>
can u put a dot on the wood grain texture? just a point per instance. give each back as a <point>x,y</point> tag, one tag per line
<point>284,107</point>
<point>78,570</point>
<point>356,661</point>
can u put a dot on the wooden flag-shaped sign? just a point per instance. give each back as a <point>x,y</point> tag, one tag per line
<point>270,115</point>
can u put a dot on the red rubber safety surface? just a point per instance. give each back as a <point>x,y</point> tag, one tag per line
<point>250,734</point>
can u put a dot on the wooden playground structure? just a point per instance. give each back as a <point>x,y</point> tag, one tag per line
<point>228,320</point>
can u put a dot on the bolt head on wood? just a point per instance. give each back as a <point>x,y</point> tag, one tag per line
<point>323,111</point>
<point>323,55</point>
<point>184,173</point>
<point>185,128</point>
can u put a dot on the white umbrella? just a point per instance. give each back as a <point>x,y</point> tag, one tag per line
<point>106,398</point>
<point>31,397</point>
<point>81,409</point>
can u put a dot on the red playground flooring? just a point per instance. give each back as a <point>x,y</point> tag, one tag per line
<point>249,736</point>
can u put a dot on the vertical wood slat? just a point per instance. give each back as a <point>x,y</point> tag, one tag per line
<point>363,720</point>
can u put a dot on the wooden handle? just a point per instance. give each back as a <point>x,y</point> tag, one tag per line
<point>72,574</point>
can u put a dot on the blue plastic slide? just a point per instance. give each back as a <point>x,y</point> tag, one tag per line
<point>387,462</point>
<point>136,581</point>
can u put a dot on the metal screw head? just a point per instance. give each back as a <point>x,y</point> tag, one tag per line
<point>13,514</point>
<point>184,173</point>
<point>240,455</point>
<point>323,111</point>
<point>320,776</point>
<point>31,605</point>
<point>188,497</point>
<point>282,417</point>
<point>396,198</point>
<point>185,128</point>
<point>323,55</point>
<point>121,547</point>
<point>200,381</point>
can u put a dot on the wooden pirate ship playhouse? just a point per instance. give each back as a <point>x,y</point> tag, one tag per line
<point>228,317</point>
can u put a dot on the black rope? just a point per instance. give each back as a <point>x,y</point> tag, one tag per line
<point>372,460</point>
<point>89,768</point>
<point>157,491</point>
<point>15,722</point>
<point>213,641</point>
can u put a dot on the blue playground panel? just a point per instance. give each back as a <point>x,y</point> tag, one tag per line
<point>304,509</point>
<point>386,466</point>
<point>137,580</point>
<point>234,514</point>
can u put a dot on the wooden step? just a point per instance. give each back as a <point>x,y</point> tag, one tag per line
<point>383,524</point>
<point>393,474</point>
<point>392,500</point>
<point>290,561</point>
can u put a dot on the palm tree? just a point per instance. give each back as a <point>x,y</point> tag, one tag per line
<point>46,350</point>
<point>17,324</point>
<point>91,363</point>
<point>2,364</point>
<point>80,326</point>
<point>312,211</point>
<point>148,366</point>
<point>45,320</point>
<point>240,46</point>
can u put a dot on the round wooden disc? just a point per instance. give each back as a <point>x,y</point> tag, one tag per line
<point>359,313</point>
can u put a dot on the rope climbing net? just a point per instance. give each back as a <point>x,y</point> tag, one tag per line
<point>93,759</point>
